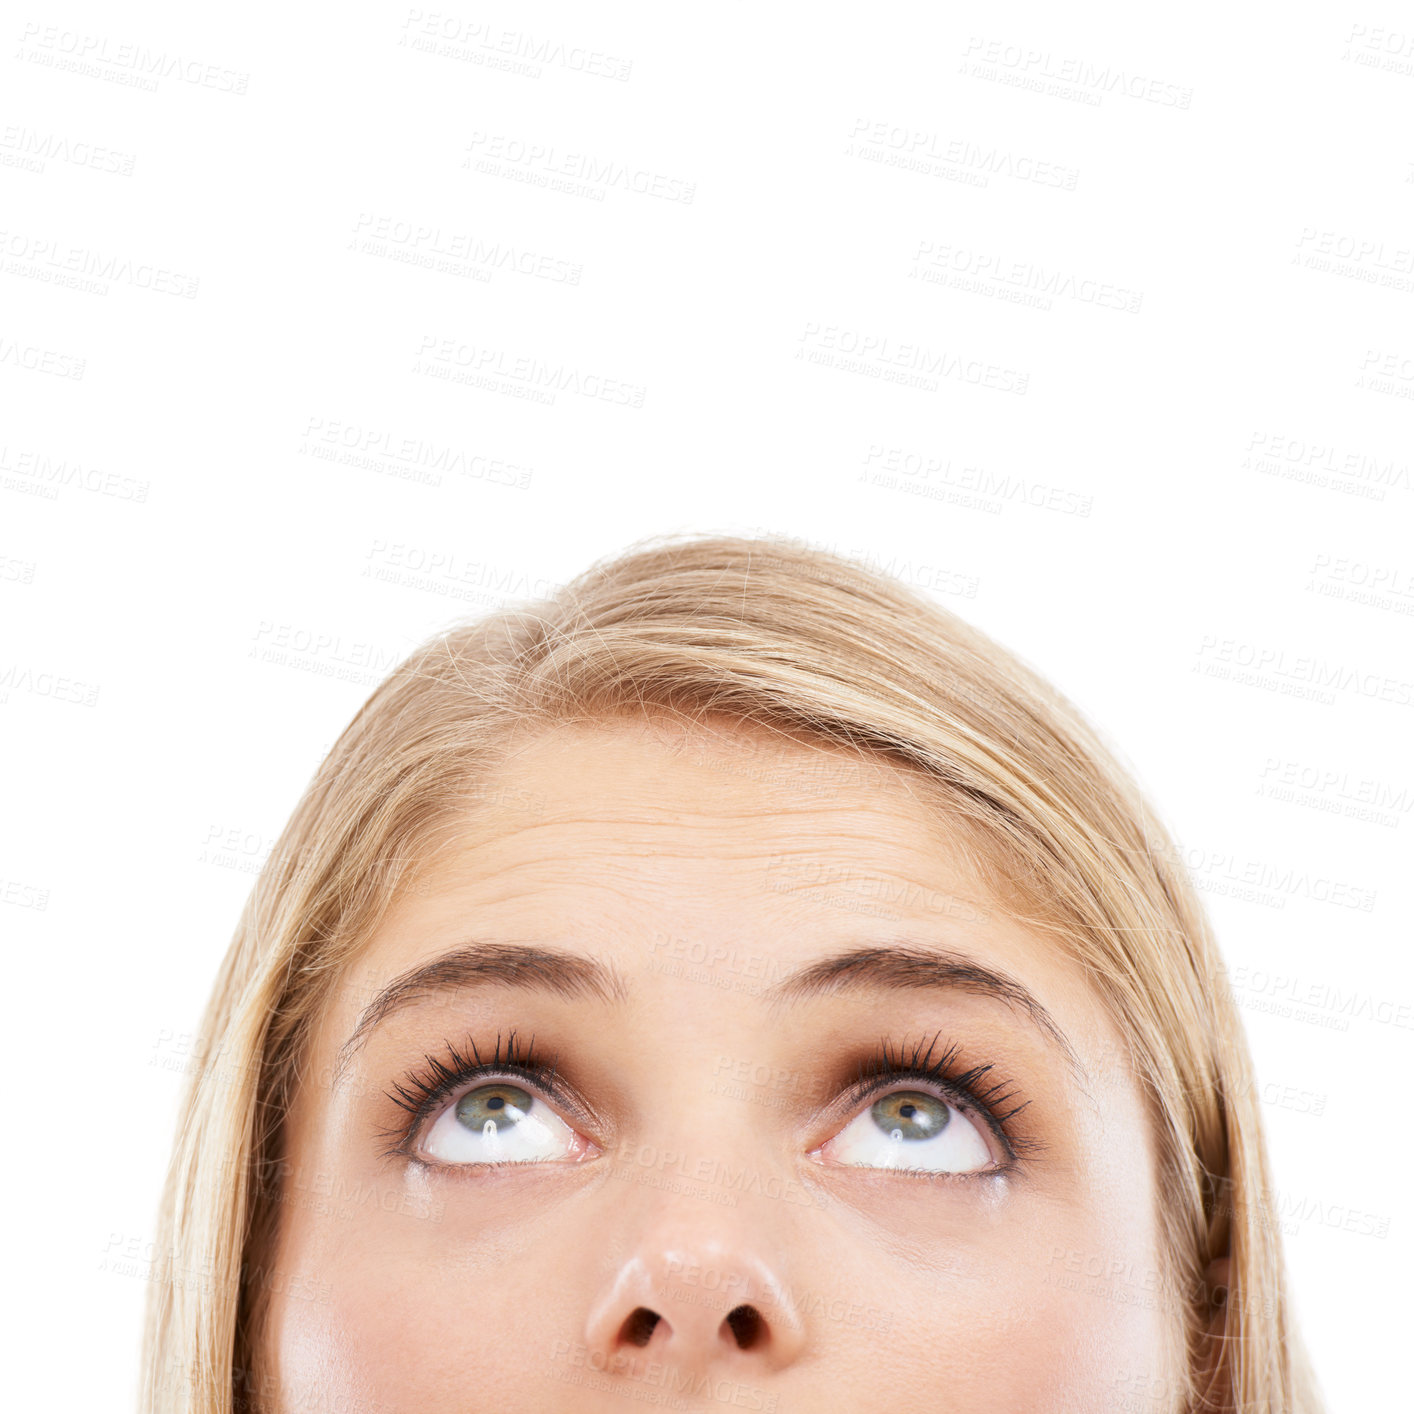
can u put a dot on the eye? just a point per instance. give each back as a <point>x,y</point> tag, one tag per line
<point>501,1123</point>
<point>911,1129</point>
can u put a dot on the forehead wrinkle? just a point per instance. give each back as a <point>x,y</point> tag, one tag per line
<point>869,824</point>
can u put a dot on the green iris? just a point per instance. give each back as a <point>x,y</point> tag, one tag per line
<point>501,1105</point>
<point>911,1114</point>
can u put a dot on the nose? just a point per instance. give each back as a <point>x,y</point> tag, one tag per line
<point>697,1301</point>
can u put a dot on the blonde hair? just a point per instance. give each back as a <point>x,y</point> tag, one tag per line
<point>807,643</point>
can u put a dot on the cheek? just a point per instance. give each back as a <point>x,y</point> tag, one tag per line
<point>1032,1343</point>
<point>1033,1305</point>
<point>415,1314</point>
<point>1064,1351</point>
<point>378,1350</point>
<point>409,1314</point>
<point>395,1336</point>
<point>396,1298</point>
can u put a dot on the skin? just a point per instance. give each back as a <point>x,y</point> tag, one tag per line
<point>706,1180</point>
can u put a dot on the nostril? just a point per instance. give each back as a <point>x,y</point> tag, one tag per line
<point>745,1322</point>
<point>638,1328</point>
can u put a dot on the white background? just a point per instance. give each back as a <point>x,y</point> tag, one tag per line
<point>1096,325</point>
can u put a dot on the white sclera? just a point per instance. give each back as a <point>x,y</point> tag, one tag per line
<point>957,1148</point>
<point>537,1134</point>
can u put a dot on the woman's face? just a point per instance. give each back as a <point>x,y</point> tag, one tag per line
<point>777,1112</point>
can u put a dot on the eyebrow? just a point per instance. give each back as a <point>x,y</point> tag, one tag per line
<point>536,968</point>
<point>528,966</point>
<point>905,967</point>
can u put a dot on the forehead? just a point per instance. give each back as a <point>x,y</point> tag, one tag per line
<point>702,868</point>
<point>629,840</point>
<point>664,803</point>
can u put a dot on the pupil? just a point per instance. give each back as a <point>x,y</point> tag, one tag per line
<point>909,1115</point>
<point>495,1103</point>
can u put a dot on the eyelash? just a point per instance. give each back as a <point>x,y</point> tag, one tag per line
<point>973,1089</point>
<point>420,1093</point>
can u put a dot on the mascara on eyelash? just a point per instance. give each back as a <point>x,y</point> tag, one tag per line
<point>888,1064</point>
<point>419,1092</point>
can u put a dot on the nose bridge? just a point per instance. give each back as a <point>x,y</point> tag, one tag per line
<point>698,1231</point>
